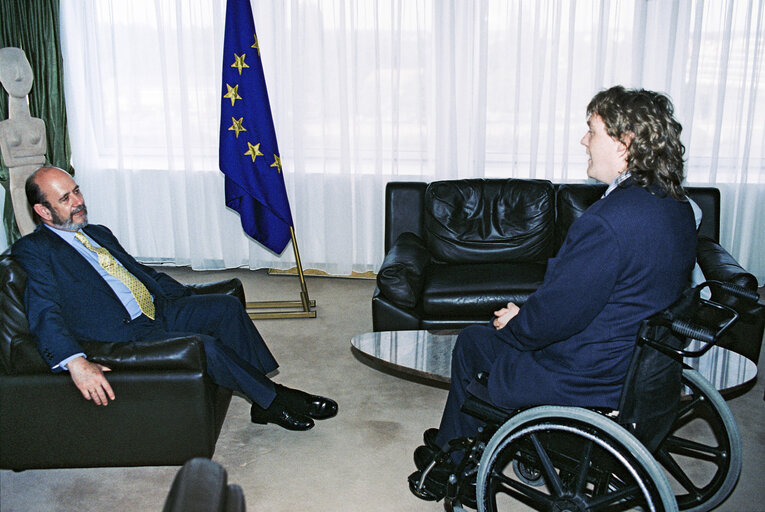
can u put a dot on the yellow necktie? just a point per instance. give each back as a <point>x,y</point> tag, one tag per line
<point>108,263</point>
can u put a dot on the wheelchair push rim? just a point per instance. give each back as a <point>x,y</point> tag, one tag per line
<point>586,461</point>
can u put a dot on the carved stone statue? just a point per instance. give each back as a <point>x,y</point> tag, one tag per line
<point>22,137</point>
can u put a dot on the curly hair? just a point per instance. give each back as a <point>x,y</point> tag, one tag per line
<point>647,117</point>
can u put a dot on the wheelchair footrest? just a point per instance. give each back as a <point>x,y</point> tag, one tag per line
<point>442,479</point>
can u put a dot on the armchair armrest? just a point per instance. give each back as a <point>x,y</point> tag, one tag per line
<point>717,264</point>
<point>231,286</point>
<point>402,274</point>
<point>183,353</point>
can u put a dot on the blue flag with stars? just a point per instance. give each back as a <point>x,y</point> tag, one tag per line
<point>249,156</point>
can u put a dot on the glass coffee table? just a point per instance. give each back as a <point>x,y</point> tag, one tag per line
<point>428,355</point>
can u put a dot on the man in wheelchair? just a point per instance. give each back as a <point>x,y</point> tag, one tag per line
<point>628,256</point>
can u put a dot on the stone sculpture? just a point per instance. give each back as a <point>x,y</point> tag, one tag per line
<point>22,137</point>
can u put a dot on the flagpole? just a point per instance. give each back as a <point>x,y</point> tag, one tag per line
<point>305,303</point>
<point>254,185</point>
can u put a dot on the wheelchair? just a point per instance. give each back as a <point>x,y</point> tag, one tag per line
<point>672,444</point>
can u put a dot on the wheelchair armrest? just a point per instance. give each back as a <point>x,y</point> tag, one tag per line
<point>402,274</point>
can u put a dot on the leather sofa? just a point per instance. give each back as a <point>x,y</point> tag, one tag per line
<point>458,250</point>
<point>166,411</point>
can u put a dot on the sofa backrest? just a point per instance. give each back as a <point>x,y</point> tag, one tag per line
<point>405,208</point>
<point>18,351</point>
<point>571,199</point>
<point>490,220</point>
<point>708,198</point>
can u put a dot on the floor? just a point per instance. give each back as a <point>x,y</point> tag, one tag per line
<point>358,460</point>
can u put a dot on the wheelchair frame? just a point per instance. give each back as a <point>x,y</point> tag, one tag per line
<point>572,458</point>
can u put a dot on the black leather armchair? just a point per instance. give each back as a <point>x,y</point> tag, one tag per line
<point>457,250</point>
<point>167,410</point>
<point>201,485</point>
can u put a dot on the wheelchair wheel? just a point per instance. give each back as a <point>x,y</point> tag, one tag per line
<point>703,453</point>
<point>586,461</point>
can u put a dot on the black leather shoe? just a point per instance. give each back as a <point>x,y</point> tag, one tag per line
<point>317,407</point>
<point>320,407</point>
<point>281,416</point>
<point>423,456</point>
<point>429,437</point>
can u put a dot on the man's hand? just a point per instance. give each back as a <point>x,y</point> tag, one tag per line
<point>90,380</point>
<point>505,314</point>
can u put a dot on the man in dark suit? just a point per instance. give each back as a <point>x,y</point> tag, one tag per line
<point>83,286</point>
<point>628,256</point>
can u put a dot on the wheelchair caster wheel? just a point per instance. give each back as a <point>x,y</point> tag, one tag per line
<point>527,474</point>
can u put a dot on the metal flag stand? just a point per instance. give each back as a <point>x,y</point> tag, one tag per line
<point>304,303</point>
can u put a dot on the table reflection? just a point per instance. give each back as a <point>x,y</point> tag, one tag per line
<point>723,368</point>
<point>428,354</point>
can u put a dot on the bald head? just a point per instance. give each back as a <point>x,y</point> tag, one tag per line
<point>56,199</point>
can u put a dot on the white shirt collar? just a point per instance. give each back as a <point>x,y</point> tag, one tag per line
<point>617,181</point>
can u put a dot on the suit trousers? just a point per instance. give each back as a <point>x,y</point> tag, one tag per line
<point>476,348</point>
<point>237,356</point>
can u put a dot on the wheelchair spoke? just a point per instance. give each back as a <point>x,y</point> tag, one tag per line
<point>553,480</point>
<point>523,492</point>
<point>686,406</point>
<point>694,449</point>
<point>606,501</point>
<point>584,468</point>
<point>674,469</point>
<point>705,471</point>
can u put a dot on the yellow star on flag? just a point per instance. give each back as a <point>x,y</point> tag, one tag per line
<point>254,151</point>
<point>255,44</point>
<point>237,126</point>
<point>232,93</point>
<point>239,62</point>
<point>277,163</point>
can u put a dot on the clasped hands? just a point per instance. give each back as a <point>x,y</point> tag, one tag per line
<point>90,380</point>
<point>502,316</point>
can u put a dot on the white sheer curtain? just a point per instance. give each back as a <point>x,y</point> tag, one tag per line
<point>368,91</point>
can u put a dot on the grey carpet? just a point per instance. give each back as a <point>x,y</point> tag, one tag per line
<point>356,461</point>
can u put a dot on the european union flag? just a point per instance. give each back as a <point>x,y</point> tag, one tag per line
<point>249,155</point>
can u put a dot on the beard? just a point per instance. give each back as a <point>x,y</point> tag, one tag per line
<point>69,224</point>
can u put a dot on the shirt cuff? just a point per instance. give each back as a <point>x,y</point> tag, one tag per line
<point>65,362</point>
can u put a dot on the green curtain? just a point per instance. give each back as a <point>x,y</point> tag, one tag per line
<point>33,26</point>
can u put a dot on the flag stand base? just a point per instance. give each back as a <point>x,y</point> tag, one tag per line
<point>305,305</point>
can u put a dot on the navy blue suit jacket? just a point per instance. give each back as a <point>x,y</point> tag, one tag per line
<point>628,256</point>
<point>67,300</point>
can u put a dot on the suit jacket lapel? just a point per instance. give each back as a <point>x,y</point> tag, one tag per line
<point>78,268</point>
<point>126,262</point>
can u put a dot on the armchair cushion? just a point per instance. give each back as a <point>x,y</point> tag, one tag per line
<point>402,274</point>
<point>478,287</point>
<point>482,221</point>
<point>572,199</point>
